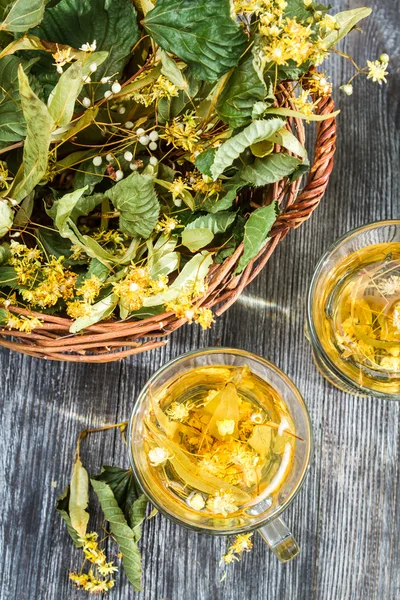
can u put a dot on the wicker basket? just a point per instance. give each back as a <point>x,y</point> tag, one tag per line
<point>113,340</point>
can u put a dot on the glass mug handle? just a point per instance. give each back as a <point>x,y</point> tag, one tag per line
<point>280,540</point>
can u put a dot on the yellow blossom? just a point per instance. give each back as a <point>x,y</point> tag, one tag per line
<point>22,323</point>
<point>62,57</point>
<point>377,71</point>
<point>76,309</point>
<point>166,224</point>
<point>204,318</point>
<point>90,288</point>
<point>182,133</point>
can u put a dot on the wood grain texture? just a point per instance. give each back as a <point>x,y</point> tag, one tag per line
<point>347,516</point>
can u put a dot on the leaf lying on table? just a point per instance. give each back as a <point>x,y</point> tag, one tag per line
<point>79,498</point>
<point>62,507</point>
<point>256,232</point>
<point>120,529</point>
<point>201,32</point>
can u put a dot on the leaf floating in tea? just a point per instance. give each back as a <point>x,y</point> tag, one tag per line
<point>260,440</point>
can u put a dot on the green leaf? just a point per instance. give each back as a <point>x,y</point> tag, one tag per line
<point>6,218</point>
<point>12,122</point>
<point>61,103</point>
<point>200,32</point>
<point>346,21</point>
<point>137,515</point>
<point>79,498</point>
<point>231,189</point>
<point>4,253</point>
<point>170,69</point>
<point>137,202</point>
<point>230,150</point>
<point>54,244</point>
<point>62,507</point>
<point>256,232</point>
<point>243,89</point>
<point>217,223</point>
<point>287,140</point>
<point>123,485</point>
<point>88,175</point>
<point>162,260</point>
<point>288,112</point>
<point>98,312</point>
<point>112,23</point>
<point>261,149</point>
<point>25,211</point>
<point>296,9</point>
<point>123,534</point>
<point>194,270</point>
<point>270,169</point>
<point>205,160</point>
<point>39,125</point>
<point>23,15</point>
<point>8,277</point>
<point>194,239</point>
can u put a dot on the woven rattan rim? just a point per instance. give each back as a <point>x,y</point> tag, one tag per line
<point>114,340</point>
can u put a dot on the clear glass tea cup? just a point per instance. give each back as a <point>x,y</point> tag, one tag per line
<point>333,270</point>
<point>264,516</point>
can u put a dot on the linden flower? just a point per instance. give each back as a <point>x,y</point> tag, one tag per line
<point>390,286</point>
<point>242,543</point>
<point>377,71</point>
<point>90,288</point>
<point>178,411</point>
<point>391,363</point>
<point>178,188</point>
<point>62,57</point>
<point>108,569</point>
<point>76,309</point>
<point>167,224</point>
<point>23,323</point>
<point>226,427</point>
<point>222,503</point>
<point>89,47</point>
<point>196,501</point>
<point>158,456</point>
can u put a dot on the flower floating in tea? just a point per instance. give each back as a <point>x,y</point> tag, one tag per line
<point>220,440</point>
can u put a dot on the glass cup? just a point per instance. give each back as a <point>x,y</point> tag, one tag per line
<point>264,516</point>
<point>332,269</point>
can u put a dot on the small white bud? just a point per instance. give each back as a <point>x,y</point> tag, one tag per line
<point>86,102</point>
<point>107,94</point>
<point>153,161</point>
<point>93,67</point>
<point>119,175</point>
<point>384,58</point>
<point>133,167</point>
<point>59,69</point>
<point>153,135</point>
<point>121,110</point>
<point>144,140</point>
<point>16,234</point>
<point>97,161</point>
<point>153,146</point>
<point>13,202</point>
<point>109,157</point>
<point>116,88</point>
<point>347,89</point>
<point>86,79</point>
<point>128,156</point>
<point>129,125</point>
<point>140,131</point>
<point>105,79</point>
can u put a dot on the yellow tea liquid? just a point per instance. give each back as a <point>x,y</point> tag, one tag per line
<point>219,439</point>
<point>360,323</point>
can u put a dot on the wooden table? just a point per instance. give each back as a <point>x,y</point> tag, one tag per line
<point>347,516</point>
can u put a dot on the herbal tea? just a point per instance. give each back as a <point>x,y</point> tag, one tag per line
<point>220,440</point>
<point>360,327</point>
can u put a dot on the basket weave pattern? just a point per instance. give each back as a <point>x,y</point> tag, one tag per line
<point>113,340</point>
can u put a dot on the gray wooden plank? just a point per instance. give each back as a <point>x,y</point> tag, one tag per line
<point>347,516</point>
